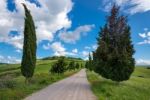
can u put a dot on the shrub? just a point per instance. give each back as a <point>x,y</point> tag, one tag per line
<point>71,66</point>
<point>59,66</point>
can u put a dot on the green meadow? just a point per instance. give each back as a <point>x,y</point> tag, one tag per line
<point>12,83</point>
<point>136,88</point>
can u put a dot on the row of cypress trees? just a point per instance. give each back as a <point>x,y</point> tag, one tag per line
<point>113,58</point>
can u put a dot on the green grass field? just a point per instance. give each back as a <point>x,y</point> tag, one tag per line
<point>12,83</point>
<point>137,88</point>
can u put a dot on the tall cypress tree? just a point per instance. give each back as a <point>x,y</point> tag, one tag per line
<point>114,55</point>
<point>29,48</point>
<point>90,65</point>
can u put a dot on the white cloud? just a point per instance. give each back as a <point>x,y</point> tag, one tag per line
<point>142,62</point>
<point>50,17</point>
<point>9,59</point>
<point>46,47</point>
<point>59,49</point>
<point>145,36</point>
<point>75,51</point>
<point>144,42</point>
<point>85,53</point>
<point>73,36</point>
<point>148,34</point>
<point>94,46</point>
<point>18,51</point>
<point>87,47</point>
<point>129,6</point>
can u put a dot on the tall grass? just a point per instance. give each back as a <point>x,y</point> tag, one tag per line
<point>137,88</point>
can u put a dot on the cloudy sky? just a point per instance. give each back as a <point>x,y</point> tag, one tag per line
<point>69,27</point>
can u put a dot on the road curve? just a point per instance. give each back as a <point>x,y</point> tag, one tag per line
<point>75,87</point>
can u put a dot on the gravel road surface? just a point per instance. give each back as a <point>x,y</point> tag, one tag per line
<point>75,87</point>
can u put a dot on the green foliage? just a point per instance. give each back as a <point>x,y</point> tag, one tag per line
<point>71,65</point>
<point>89,64</point>
<point>113,58</point>
<point>59,67</point>
<point>77,66</point>
<point>81,66</point>
<point>29,48</point>
<point>58,57</point>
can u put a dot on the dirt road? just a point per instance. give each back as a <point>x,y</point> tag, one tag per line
<point>75,87</point>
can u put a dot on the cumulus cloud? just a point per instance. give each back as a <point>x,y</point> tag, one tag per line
<point>85,53</point>
<point>73,36</point>
<point>9,60</point>
<point>145,36</point>
<point>49,17</point>
<point>75,51</point>
<point>129,6</point>
<point>59,49</point>
<point>142,62</point>
<point>142,35</point>
<point>87,47</point>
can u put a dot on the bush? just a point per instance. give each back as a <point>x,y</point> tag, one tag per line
<point>71,66</point>
<point>148,67</point>
<point>77,66</point>
<point>58,67</point>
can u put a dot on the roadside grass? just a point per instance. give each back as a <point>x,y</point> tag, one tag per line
<point>137,88</point>
<point>12,83</point>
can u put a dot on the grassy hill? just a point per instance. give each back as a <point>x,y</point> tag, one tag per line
<point>12,83</point>
<point>137,88</point>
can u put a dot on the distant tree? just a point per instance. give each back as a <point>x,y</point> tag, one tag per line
<point>59,67</point>
<point>81,66</point>
<point>77,66</point>
<point>89,63</point>
<point>113,58</point>
<point>29,48</point>
<point>71,66</point>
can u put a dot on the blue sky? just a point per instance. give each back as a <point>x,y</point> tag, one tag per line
<point>70,27</point>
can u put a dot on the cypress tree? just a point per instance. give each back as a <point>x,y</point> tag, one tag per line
<point>71,65</point>
<point>29,48</point>
<point>89,63</point>
<point>114,55</point>
<point>77,66</point>
<point>59,67</point>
